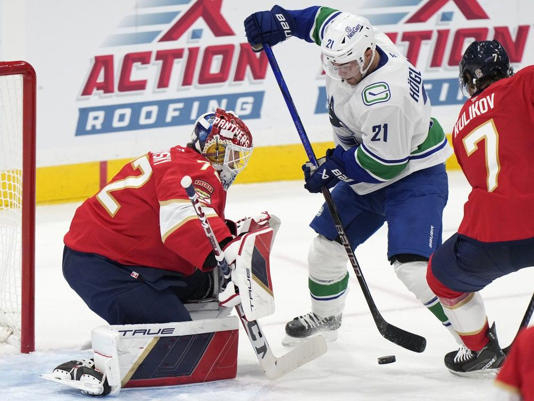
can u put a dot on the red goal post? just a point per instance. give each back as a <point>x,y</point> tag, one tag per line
<point>17,203</point>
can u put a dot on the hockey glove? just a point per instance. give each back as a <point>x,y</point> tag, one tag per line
<point>228,293</point>
<point>269,27</point>
<point>331,169</point>
<point>232,226</point>
<point>262,220</point>
<point>229,297</point>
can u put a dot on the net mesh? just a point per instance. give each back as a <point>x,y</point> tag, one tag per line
<point>10,205</point>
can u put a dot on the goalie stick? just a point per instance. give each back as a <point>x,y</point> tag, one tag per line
<point>405,339</point>
<point>273,366</point>
<point>524,322</point>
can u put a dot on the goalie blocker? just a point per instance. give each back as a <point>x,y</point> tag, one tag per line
<point>251,274</point>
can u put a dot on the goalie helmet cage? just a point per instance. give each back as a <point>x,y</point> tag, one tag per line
<point>17,202</point>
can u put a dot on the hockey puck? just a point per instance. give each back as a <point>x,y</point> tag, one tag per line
<point>382,360</point>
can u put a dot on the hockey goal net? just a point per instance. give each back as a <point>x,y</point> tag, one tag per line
<point>17,205</point>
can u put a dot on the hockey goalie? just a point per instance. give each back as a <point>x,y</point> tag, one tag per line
<point>199,350</point>
<point>137,254</point>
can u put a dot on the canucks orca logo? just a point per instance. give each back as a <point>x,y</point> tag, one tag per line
<point>345,136</point>
<point>336,122</point>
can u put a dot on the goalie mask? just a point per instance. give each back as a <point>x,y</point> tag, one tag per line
<point>344,45</point>
<point>223,139</point>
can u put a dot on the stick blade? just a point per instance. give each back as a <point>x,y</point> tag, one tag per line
<point>405,339</point>
<point>300,355</point>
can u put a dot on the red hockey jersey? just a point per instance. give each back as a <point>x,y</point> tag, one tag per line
<point>143,216</point>
<point>493,141</point>
<point>517,374</point>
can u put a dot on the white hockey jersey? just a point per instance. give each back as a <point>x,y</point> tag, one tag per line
<point>388,115</point>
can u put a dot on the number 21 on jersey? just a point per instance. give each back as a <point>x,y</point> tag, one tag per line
<point>489,133</point>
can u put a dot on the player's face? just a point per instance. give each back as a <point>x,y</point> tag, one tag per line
<point>467,85</point>
<point>349,72</point>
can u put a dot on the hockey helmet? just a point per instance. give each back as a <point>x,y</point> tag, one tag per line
<point>483,61</point>
<point>224,139</point>
<point>346,39</point>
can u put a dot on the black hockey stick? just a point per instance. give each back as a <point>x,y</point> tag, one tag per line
<point>524,323</point>
<point>405,339</point>
<point>273,366</point>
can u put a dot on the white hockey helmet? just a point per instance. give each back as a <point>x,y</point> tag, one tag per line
<point>224,139</point>
<point>346,39</point>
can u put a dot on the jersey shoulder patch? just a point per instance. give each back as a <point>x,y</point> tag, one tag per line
<point>377,92</point>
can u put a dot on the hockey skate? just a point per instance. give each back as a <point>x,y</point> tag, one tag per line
<point>308,325</point>
<point>487,361</point>
<point>81,375</point>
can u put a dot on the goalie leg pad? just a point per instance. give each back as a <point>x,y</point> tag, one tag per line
<point>159,354</point>
<point>105,343</point>
<point>170,353</point>
<point>252,274</point>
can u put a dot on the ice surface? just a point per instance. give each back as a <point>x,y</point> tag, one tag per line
<point>349,370</point>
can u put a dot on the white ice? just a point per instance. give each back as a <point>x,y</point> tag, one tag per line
<point>349,370</point>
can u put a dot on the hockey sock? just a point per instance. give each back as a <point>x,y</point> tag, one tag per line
<point>413,275</point>
<point>466,312</point>
<point>476,341</point>
<point>328,298</point>
<point>436,308</point>
<point>328,276</point>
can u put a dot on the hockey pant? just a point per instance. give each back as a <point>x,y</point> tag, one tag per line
<point>123,294</point>
<point>461,267</point>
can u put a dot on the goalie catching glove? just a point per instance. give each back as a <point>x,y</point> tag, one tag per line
<point>248,258</point>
